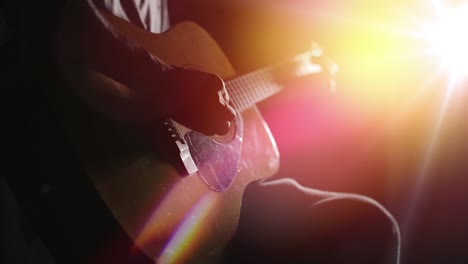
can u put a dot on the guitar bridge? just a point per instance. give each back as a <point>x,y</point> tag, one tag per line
<point>185,155</point>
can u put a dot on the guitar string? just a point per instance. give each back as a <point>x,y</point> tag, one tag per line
<point>261,86</point>
<point>256,93</point>
<point>246,90</point>
<point>256,86</point>
<point>233,88</point>
<point>233,94</point>
<point>242,89</point>
<point>243,97</point>
<point>239,97</point>
<point>243,100</point>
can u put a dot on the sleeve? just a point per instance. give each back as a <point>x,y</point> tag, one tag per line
<point>102,42</point>
<point>155,89</point>
<point>88,41</point>
<point>151,15</point>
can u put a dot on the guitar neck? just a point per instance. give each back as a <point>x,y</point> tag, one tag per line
<point>249,89</point>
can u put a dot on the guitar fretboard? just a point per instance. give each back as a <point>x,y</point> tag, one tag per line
<point>247,90</point>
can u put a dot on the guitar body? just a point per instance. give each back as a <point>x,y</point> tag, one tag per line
<point>170,217</point>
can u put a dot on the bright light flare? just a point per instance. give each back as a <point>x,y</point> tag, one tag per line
<point>448,38</point>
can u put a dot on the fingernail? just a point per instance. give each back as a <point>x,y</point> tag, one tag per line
<point>226,128</point>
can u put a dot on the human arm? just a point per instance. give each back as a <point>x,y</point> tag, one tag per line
<point>138,86</point>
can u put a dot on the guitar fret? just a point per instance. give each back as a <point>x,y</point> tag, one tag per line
<point>251,88</point>
<point>234,97</point>
<point>253,79</point>
<point>255,82</point>
<point>264,87</point>
<point>233,93</point>
<point>244,93</point>
<point>245,99</point>
<point>252,97</point>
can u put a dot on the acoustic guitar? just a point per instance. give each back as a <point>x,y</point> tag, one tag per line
<point>182,203</point>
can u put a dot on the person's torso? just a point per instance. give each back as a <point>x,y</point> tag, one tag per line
<point>152,15</point>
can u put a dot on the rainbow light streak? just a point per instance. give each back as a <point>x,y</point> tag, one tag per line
<point>185,238</point>
<point>163,220</point>
<point>160,220</point>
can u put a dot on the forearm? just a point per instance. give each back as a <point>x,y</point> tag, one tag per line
<point>88,43</point>
<point>95,55</point>
<point>100,46</point>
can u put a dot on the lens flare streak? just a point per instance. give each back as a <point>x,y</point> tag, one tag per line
<point>421,180</point>
<point>447,40</point>
<point>185,238</point>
